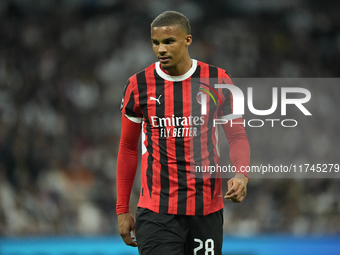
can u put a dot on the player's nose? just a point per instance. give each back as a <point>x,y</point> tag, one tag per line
<point>162,48</point>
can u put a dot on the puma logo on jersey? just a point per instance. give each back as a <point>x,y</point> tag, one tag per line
<point>156,99</point>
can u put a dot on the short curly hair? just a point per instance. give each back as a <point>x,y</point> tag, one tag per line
<point>172,18</point>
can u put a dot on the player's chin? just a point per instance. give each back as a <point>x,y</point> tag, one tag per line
<point>166,65</point>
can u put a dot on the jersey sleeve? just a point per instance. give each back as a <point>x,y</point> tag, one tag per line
<point>239,149</point>
<point>127,162</point>
<point>130,104</point>
<point>225,110</point>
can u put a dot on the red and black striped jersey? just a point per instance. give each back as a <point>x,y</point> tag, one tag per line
<point>176,136</point>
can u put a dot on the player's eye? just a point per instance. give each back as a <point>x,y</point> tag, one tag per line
<point>155,43</point>
<point>169,41</point>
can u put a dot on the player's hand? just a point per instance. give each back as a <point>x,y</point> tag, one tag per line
<point>237,188</point>
<point>126,224</point>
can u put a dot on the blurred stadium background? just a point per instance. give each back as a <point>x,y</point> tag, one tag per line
<point>63,66</point>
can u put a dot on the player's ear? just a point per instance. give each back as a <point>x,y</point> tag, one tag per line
<point>188,40</point>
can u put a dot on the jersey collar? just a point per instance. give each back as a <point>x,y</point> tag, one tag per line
<point>168,77</point>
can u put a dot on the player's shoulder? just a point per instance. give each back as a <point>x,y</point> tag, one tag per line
<point>221,72</point>
<point>142,75</point>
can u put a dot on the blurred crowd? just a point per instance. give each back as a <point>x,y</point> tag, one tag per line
<point>63,66</point>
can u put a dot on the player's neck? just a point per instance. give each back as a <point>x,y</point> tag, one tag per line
<point>181,68</point>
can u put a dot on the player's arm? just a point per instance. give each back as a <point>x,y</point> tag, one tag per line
<point>126,170</point>
<point>239,152</point>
